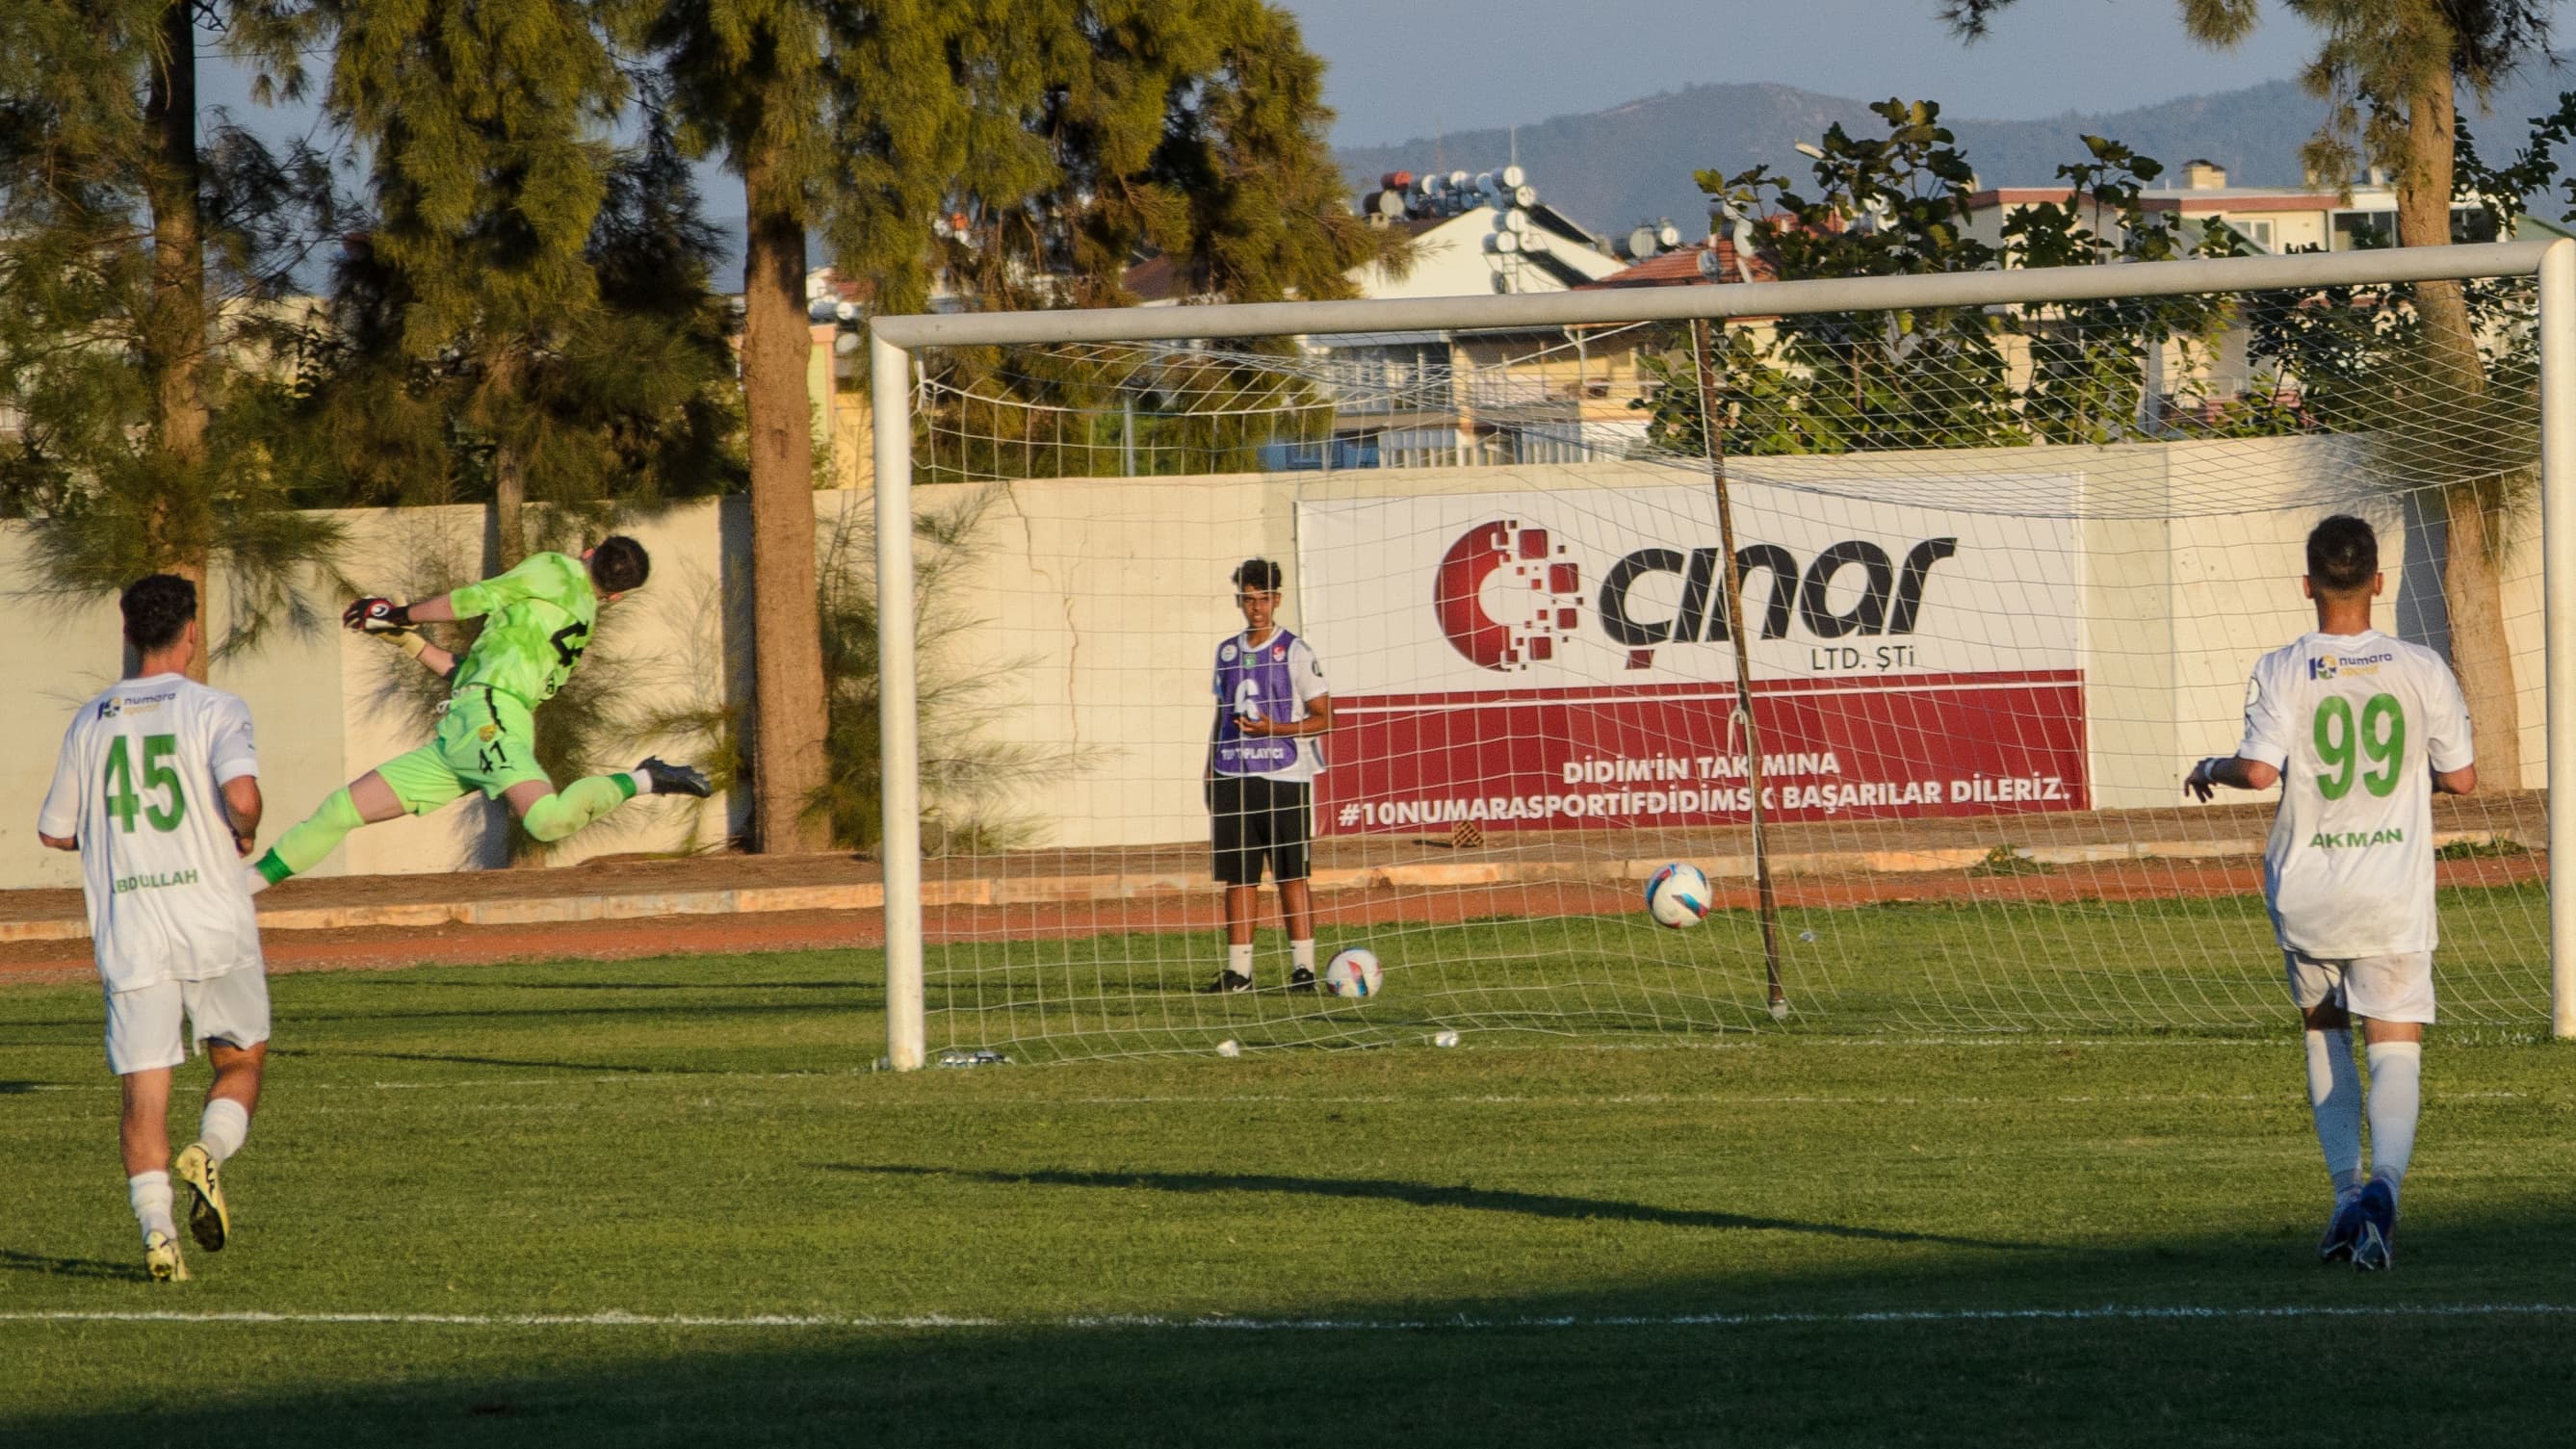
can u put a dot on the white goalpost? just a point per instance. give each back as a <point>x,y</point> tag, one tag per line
<point>1980,560</point>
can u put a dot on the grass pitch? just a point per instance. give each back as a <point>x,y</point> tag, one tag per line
<point>665,1202</point>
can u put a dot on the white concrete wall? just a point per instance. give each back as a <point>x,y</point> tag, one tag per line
<point>1090,607</point>
<point>1112,593</point>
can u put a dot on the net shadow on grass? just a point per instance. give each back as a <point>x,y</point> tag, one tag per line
<point>872,992</point>
<point>551,1011</point>
<point>463,1059</point>
<point>1905,1350</point>
<point>1424,1194</point>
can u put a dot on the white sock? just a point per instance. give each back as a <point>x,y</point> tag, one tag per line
<point>2396,1093</point>
<point>1238,959</point>
<point>2334,1098</point>
<point>1301,954</point>
<point>643,781</point>
<point>150,1194</point>
<point>223,1127</point>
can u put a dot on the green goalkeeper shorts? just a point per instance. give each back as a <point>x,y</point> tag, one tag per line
<point>486,741</point>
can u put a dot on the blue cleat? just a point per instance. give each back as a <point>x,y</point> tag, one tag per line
<point>2374,1248</point>
<point>2341,1230</point>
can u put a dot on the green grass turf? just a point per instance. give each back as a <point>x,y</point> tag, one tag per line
<point>2195,964</point>
<point>699,1136</point>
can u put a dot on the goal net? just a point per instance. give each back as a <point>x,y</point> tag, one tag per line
<point>1908,653</point>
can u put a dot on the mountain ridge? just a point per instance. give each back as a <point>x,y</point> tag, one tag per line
<point>1611,168</point>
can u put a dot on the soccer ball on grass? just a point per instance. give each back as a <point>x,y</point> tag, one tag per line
<point>1353,972</point>
<point>1677,896</point>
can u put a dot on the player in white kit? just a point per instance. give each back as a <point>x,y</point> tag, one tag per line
<point>158,789</point>
<point>2359,730</point>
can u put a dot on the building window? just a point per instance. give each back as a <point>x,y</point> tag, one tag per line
<point>2358,231</point>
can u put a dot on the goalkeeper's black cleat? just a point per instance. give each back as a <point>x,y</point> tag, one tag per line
<point>1302,979</point>
<point>670,779</point>
<point>1227,982</point>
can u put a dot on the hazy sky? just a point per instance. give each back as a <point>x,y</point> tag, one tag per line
<point>1401,68</point>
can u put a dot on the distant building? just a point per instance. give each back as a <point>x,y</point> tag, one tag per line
<point>1451,397</point>
<point>1486,233</point>
<point>2271,218</point>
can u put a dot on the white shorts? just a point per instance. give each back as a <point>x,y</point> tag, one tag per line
<point>143,1025</point>
<point>2383,988</point>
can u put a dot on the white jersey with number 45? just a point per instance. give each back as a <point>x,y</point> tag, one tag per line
<point>140,783</point>
<point>2355,723</point>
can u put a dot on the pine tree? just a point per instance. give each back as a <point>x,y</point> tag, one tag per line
<point>1075,136</point>
<point>622,389</point>
<point>747,80</point>
<point>137,248</point>
<point>2391,72</point>
<point>486,132</point>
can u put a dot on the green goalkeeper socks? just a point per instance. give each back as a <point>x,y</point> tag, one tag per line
<point>554,817</point>
<point>303,847</point>
<point>576,805</point>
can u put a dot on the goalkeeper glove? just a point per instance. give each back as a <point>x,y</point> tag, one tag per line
<point>376,616</point>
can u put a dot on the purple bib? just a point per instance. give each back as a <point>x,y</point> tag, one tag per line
<point>1254,682</point>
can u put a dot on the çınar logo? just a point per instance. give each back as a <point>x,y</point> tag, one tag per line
<point>1516,619</point>
<point>1891,594</point>
<point>1538,595</point>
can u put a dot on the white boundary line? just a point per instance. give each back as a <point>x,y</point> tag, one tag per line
<point>2108,1313</point>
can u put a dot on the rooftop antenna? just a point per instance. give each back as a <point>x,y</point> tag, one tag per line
<point>1439,154</point>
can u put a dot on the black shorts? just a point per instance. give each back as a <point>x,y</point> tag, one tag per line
<point>1258,819</point>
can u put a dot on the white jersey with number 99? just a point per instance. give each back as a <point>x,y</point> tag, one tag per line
<point>2356,724</point>
<point>140,783</point>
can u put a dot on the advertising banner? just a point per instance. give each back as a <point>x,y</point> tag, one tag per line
<point>1564,659</point>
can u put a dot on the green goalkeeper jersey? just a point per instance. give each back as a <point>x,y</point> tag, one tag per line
<point>536,621</point>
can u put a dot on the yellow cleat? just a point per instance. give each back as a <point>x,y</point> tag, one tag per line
<point>209,1221</point>
<point>161,1259</point>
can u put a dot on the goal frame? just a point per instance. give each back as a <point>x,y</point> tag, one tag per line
<point>894,340</point>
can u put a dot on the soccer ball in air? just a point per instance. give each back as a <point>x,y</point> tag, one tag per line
<point>1353,971</point>
<point>1677,896</point>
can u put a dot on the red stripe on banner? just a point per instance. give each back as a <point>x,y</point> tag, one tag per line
<point>1595,758</point>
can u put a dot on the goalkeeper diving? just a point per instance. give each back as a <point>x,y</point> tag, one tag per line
<point>537,620</point>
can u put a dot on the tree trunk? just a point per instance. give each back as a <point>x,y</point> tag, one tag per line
<point>504,370</point>
<point>2481,654</point>
<point>788,764</point>
<point>509,501</point>
<point>2452,387</point>
<point>174,332</point>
